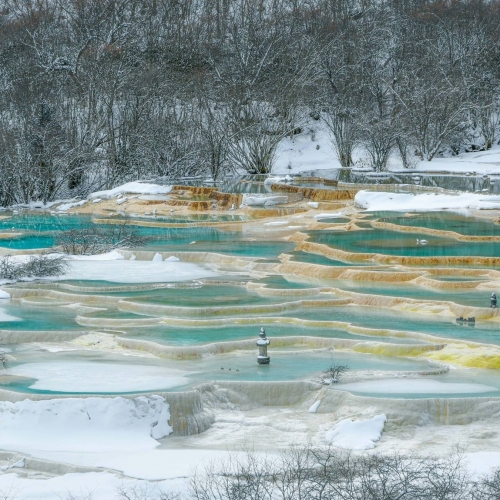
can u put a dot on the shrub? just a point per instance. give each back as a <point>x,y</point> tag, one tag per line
<point>95,239</point>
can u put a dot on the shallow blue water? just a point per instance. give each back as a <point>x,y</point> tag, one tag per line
<point>379,318</point>
<point>396,243</point>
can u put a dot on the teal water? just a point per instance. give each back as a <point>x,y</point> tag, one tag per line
<point>262,249</point>
<point>292,365</point>
<point>38,318</point>
<point>443,221</point>
<point>178,336</point>
<point>379,318</point>
<point>212,296</point>
<point>475,298</point>
<point>311,258</point>
<point>396,243</point>
<point>279,282</point>
<point>41,231</point>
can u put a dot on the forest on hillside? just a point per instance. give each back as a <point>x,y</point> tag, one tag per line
<point>100,92</point>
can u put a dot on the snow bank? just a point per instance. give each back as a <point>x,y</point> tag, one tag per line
<point>416,386</point>
<point>91,377</point>
<point>357,435</point>
<point>84,425</point>
<point>131,188</point>
<point>4,295</point>
<point>407,202</point>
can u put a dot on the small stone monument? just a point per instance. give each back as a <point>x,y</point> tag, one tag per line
<point>263,342</point>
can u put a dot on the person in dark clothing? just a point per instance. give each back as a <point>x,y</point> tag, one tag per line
<point>493,300</point>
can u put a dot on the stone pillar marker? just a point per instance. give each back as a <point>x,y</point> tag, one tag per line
<point>262,343</point>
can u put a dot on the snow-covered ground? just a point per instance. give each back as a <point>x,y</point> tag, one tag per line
<point>313,150</point>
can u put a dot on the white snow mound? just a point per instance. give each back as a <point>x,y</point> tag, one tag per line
<point>131,188</point>
<point>84,425</point>
<point>357,434</point>
<point>4,295</point>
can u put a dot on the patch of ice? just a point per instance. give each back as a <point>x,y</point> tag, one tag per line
<point>132,188</point>
<point>357,434</point>
<point>91,377</point>
<point>415,386</point>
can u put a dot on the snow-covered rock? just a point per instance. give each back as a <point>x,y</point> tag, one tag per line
<point>357,434</point>
<point>314,407</point>
<point>4,295</point>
